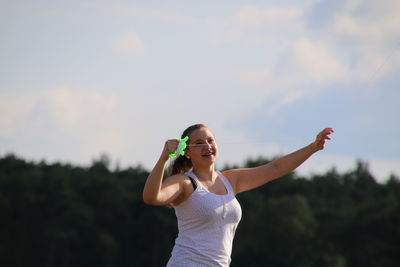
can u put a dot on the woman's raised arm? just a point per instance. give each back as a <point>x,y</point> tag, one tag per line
<point>157,192</point>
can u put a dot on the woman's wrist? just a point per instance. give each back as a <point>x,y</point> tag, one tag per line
<point>314,147</point>
<point>164,157</point>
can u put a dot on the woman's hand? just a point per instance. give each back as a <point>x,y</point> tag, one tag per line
<point>156,192</point>
<point>321,138</point>
<point>170,146</point>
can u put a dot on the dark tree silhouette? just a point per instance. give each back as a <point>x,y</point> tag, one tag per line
<point>63,215</point>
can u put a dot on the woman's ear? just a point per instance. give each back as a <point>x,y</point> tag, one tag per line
<point>187,154</point>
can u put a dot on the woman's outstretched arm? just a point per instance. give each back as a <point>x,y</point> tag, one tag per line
<point>248,178</point>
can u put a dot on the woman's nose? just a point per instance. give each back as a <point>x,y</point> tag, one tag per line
<point>208,145</point>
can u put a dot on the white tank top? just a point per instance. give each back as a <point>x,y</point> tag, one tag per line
<point>206,223</point>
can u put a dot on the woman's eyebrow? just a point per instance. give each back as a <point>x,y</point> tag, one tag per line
<point>195,142</point>
<point>204,139</point>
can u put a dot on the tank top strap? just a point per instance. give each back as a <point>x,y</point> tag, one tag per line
<point>226,182</point>
<point>192,177</point>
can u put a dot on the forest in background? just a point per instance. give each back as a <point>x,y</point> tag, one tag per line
<point>63,215</point>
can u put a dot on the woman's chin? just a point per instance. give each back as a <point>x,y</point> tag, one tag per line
<point>210,158</point>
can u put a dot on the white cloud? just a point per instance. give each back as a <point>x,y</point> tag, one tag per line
<point>128,44</point>
<point>255,17</point>
<point>369,27</point>
<point>370,31</point>
<point>298,71</point>
<point>298,63</point>
<point>254,77</point>
<point>82,122</point>
<point>14,108</point>
<point>304,62</point>
<point>77,108</point>
<point>255,25</point>
<point>379,20</point>
<point>110,140</point>
<point>355,47</point>
<point>313,62</point>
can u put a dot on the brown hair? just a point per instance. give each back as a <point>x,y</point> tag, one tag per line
<point>182,164</point>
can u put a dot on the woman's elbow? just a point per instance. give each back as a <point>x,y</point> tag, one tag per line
<point>150,200</point>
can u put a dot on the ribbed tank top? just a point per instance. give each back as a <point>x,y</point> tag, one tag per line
<point>206,227</point>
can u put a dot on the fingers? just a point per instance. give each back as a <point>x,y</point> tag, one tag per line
<point>323,136</point>
<point>328,130</point>
<point>171,145</point>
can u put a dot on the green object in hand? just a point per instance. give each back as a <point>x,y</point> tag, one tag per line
<point>181,147</point>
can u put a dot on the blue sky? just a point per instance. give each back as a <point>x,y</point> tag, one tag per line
<point>82,78</point>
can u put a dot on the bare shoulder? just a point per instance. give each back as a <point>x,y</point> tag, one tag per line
<point>184,183</point>
<point>176,178</point>
<point>235,177</point>
<point>232,176</point>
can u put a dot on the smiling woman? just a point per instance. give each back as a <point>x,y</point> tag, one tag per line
<point>204,198</point>
<point>183,163</point>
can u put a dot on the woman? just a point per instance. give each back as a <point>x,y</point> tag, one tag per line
<point>204,199</point>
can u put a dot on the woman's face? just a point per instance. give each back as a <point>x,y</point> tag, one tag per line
<point>202,147</point>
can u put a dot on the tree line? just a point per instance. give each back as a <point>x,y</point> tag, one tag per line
<point>63,215</point>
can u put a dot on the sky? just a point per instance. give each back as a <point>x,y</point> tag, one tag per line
<point>84,78</point>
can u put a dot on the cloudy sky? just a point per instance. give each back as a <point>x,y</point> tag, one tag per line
<point>82,78</point>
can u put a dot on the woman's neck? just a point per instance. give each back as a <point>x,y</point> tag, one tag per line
<point>205,174</point>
